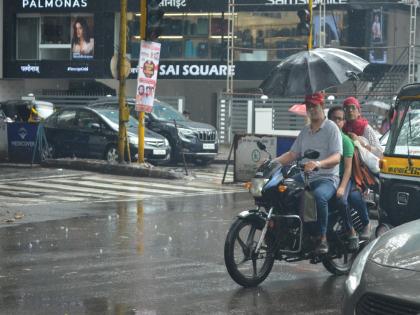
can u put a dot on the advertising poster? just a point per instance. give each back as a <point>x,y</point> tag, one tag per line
<point>82,41</point>
<point>377,54</point>
<point>147,75</point>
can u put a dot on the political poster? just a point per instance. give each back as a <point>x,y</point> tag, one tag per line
<point>147,75</point>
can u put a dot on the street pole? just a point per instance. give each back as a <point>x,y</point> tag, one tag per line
<point>143,17</point>
<point>122,132</point>
<point>310,26</point>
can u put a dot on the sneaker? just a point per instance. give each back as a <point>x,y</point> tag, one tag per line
<point>322,247</point>
<point>365,233</point>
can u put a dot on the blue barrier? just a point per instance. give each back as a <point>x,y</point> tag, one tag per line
<point>21,141</point>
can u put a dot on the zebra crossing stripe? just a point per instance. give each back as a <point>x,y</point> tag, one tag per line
<point>4,189</point>
<point>114,187</point>
<point>56,186</point>
<point>147,184</point>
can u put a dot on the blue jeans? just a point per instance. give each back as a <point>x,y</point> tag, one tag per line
<point>323,190</point>
<point>354,197</point>
<point>356,201</point>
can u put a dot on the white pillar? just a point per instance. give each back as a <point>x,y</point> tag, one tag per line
<point>180,105</point>
<point>250,116</point>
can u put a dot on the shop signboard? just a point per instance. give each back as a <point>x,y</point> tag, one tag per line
<point>210,70</point>
<point>147,75</point>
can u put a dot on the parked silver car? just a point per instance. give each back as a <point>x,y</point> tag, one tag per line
<point>385,276</point>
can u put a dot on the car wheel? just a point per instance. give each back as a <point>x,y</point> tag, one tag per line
<point>111,154</point>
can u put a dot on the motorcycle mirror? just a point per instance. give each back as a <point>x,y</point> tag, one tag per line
<point>261,146</point>
<point>311,154</point>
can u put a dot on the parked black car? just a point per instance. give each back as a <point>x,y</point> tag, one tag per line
<point>93,133</point>
<point>197,141</point>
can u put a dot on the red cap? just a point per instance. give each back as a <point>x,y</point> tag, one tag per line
<point>351,101</point>
<point>316,99</point>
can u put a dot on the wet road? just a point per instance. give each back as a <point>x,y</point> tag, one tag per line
<point>156,256</point>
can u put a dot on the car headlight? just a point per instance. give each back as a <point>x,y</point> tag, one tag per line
<point>166,142</point>
<point>356,271</point>
<point>186,134</point>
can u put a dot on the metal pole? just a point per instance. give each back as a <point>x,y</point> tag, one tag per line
<point>122,132</point>
<point>322,33</point>
<point>310,26</point>
<point>412,42</point>
<point>143,22</point>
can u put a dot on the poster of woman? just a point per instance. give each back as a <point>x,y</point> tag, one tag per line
<point>377,53</point>
<point>82,41</point>
<point>376,28</point>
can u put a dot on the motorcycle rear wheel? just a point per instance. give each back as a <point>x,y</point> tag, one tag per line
<point>340,265</point>
<point>246,267</point>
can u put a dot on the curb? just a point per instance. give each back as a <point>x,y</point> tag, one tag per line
<point>115,169</point>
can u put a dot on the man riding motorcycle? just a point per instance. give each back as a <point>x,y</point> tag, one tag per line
<point>324,136</point>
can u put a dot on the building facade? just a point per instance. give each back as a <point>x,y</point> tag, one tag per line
<point>53,44</point>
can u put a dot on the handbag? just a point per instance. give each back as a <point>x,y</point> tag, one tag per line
<point>309,207</point>
<point>370,159</point>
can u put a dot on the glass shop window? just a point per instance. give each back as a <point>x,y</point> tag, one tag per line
<point>200,36</point>
<point>27,38</point>
<point>55,30</point>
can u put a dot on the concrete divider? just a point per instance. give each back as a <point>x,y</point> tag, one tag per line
<point>247,155</point>
<point>132,169</point>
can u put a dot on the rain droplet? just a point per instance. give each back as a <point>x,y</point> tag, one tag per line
<point>30,245</point>
<point>155,227</point>
<point>109,218</point>
<point>37,241</point>
<point>170,239</point>
<point>206,234</point>
<point>100,251</point>
<point>67,229</point>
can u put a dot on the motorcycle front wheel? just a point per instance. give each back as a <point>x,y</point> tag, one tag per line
<point>247,267</point>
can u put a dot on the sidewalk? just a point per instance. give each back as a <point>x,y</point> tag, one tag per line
<point>132,169</point>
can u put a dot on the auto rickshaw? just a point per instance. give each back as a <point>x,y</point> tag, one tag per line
<point>399,200</point>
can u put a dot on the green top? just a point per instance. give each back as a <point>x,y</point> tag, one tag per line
<point>348,151</point>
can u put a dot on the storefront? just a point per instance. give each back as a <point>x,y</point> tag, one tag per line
<point>75,39</point>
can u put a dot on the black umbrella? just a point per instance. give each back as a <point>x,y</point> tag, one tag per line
<point>313,70</point>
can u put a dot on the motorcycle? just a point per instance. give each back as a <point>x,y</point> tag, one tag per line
<point>275,229</point>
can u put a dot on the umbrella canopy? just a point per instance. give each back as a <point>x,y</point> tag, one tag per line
<point>298,109</point>
<point>312,70</point>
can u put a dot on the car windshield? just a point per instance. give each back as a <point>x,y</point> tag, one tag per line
<point>165,112</point>
<point>113,116</point>
<point>406,130</point>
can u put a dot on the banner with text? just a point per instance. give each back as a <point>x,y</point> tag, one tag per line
<point>147,75</point>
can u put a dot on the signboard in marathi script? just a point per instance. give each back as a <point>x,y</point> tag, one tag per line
<point>147,75</point>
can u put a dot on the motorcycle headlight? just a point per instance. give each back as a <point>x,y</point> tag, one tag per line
<point>186,134</point>
<point>256,186</point>
<point>357,268</point>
